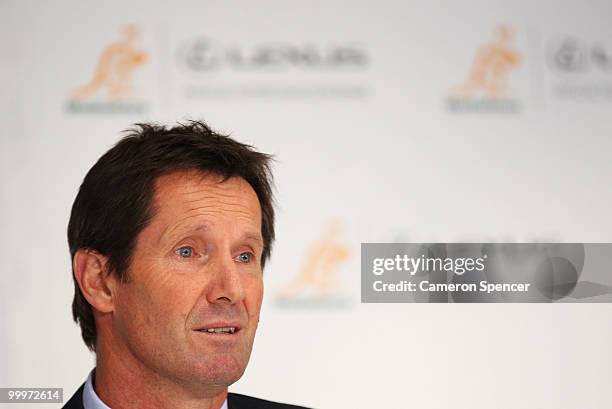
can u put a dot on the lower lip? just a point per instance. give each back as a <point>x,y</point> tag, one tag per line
<point>221,336</point>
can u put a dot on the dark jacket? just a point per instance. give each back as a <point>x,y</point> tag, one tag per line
<point>234,401</point>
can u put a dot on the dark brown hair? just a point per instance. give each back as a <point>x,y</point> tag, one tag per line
<point>114,202</point>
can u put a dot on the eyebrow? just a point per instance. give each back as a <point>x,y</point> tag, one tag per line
<point>254,237</point>
<point>171,231</point>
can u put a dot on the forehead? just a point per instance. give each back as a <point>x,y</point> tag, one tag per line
<point>190,196</point>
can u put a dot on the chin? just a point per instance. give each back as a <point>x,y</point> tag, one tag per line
<point>223,370</point>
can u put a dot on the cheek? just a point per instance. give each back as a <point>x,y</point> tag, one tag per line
<point>254,296</point>
<point>155,306</point>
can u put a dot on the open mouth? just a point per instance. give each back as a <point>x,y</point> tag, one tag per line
<point>219,330</point>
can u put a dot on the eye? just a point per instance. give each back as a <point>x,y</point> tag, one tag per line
<point>245,257</point>
<point>185,251</point>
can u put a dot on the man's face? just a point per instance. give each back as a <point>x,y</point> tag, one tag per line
<point>190,308</point>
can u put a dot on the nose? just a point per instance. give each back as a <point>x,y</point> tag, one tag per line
<point>225,285</point>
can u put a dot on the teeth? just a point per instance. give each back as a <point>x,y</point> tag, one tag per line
<point>223,330</point>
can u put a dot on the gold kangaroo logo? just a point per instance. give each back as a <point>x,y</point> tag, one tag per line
<point>489,73</point>
<point>115,66</point>
<point>320,265</point>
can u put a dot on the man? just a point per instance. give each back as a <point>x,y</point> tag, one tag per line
<point>169,234</point>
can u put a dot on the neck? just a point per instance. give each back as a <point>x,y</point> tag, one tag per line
<point>123,382</point>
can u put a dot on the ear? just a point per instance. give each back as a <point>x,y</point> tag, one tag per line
<point>97,285</point>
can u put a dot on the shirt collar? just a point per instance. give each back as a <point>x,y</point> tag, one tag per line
<point>90,398</point>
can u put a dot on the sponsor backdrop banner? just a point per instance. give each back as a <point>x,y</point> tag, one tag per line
<point>400,122</point>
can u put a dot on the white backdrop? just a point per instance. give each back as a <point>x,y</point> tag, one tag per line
<point>353,99</point>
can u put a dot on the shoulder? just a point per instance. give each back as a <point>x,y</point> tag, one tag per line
<point>237,401</point>
<point>76,402</point>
